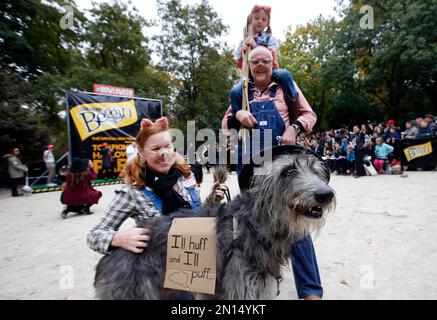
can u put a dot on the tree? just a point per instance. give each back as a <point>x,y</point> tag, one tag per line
<point>33,39</point>
<point>387,69</point>
<point>36,47</point>
<point>115,39</point>
<point>116,52</point>
<point>191,51</point>
<point>20,126</point>
<point>44,59</point>
<point>396,57</point>
<point>308,54</point>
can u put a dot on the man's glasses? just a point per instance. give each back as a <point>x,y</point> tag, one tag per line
<point>257,62</point>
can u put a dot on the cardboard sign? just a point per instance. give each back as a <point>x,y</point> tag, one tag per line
<point>191,255</point>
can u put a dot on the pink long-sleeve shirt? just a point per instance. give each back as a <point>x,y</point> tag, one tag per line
<point>303,112</point>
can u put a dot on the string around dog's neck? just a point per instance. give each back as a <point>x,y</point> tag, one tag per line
<point>237,243</point>
<point>263,241</point>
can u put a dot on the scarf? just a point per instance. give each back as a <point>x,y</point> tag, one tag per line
<point>163,187</point>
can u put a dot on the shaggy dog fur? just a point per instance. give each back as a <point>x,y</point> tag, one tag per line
<point>280,207</point>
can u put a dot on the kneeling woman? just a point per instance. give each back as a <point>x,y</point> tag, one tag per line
<point>158,182</point>
<point>78,194</point>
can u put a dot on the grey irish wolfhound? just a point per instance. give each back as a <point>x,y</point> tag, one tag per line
<point>289,201</point>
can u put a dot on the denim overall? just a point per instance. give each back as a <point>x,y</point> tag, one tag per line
<point>268,117</point>
<point>196,204</point>
<point>302,254</point>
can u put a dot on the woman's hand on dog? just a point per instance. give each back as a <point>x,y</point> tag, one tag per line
<point>134,239</point>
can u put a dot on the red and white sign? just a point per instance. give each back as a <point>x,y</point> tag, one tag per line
<point>112,90</point>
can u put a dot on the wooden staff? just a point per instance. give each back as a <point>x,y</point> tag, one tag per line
<point>245,70</point>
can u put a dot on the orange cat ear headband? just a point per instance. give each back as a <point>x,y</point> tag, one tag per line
<point>257,8</point>
<point>163,122</point>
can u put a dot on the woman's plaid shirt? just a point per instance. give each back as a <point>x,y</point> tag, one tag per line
<point>129,202</point>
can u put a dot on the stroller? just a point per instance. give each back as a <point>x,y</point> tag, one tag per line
<point>368,167</point>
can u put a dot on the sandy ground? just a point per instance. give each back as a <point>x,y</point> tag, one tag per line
<point>380,243</point>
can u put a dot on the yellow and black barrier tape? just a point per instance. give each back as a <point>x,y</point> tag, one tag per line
<point>96,183</point>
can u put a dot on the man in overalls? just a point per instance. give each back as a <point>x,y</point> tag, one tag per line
<point>270,114</point>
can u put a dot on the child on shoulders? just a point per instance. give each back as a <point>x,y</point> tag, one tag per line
<point>259,22</point>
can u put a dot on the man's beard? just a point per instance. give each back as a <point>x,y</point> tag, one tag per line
<point>260,77</point>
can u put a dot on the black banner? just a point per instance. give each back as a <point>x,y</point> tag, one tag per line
<point>417,153</point>
<point>95,119</point>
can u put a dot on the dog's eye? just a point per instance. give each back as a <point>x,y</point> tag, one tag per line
<point>288,172</point>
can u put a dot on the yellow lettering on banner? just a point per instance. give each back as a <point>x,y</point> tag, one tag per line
<point>119,154</point>
<point>121,163</point>
<point>97,164</point>
<point>92,118</point>
<point>97,155</point>
<point>418,151</point>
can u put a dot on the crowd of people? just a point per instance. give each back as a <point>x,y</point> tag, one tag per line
<point>346,151</point>
<point>158,181</point>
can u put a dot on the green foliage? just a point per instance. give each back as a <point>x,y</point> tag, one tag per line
<point>391,67</point>
<point>308,54</point>
<point>20,126</point>
<point>190,50</point>
<point>40,61</point>
<point>117,53</point>
<point>39,51</point>
<point>398,55</point>
<point>193,79</point>
<point>115,39</point>
<point>350,108</point>
<point>32,37</point>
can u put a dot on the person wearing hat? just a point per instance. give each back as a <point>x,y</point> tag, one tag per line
<point>49,160</point>
<point>78,194</point>
<point>390,123</point>
<point>269,111</point>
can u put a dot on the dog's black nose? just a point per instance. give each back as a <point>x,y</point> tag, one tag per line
<point>323,195</point>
